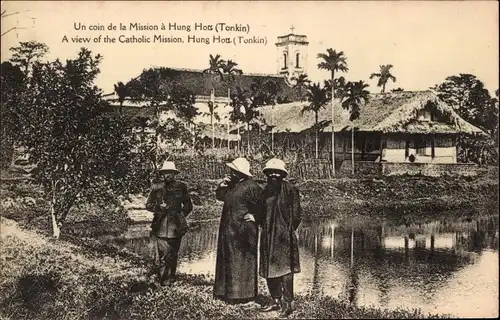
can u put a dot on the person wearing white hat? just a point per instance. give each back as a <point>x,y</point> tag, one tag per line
<point>236,264</point>
<point>279,251</point>
<point>170,202</point>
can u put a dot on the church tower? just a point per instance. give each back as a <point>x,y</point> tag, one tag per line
<point>292,55</point>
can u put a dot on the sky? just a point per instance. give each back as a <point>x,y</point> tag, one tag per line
<point>424,41</point>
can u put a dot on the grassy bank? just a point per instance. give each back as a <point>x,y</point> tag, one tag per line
<point>402,199</point>
<point>42,278</point>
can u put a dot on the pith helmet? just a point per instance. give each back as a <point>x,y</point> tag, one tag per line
<point>241,165</point>
<point>168,166</point>
<point>276,164</point>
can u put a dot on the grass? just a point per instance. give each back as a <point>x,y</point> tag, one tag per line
<point>42,279</point>
<point>80,278</point>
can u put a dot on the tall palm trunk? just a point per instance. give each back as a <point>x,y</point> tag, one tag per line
<point>213,130</point>
<point>239,139</point>
<point>383,87</point>
<point>352,149</point>
<point>272,130</point>
<point>212,98</point>
<point>316,132</point>
<point>333,123</point>
<point>248,138</point>
<point>228,137</point>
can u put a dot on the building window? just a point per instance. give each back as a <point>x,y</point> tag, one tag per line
<point>424,115</point>
<point>297,60</point>
<point>284,60</point>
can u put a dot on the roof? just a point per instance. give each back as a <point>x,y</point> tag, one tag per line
<point>201,84</point>
<point>385,112</point>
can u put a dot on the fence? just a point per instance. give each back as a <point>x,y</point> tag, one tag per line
<point>322,169</point>
<point>216,169</point>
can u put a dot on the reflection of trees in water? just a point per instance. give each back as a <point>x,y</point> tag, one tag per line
<point>421,264</point>
<point>199,241</point>
<point>315,281</point>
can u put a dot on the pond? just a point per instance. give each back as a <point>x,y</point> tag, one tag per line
<point>439,267</point>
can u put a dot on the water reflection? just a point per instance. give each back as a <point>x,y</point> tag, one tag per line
<point>440,267</point>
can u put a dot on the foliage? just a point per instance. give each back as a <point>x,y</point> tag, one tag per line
<point>354,97</point>
<point>333,61</point>
<point>81,153</point>
<point>317,98</point>
<point>27,53</point>
<point>229,68</point>
<point>164,96</point>
<point>472,101</point>
<point>216,66</point>
<point>13,84</point>
<point>383,76</point>
<point>301,84</point>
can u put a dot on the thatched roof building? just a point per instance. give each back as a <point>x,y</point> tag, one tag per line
<point>385,112</point>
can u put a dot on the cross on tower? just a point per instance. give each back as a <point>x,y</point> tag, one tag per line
<point>292,28</point>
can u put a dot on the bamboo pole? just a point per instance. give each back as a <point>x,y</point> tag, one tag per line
<point>212,99</point>
<point>333,124</point>
<point>272,129</point>
<point>352,151</point>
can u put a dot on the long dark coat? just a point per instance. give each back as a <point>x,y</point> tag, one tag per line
<point>279,251</point>
<point>236,265</point>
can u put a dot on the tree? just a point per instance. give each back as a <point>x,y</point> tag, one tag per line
<point>317,97</point>
<point>384,76</point>
<point>27,53</point>
<point>472,101</point>
<point>81,153</point>
<point>229,68</point>
<point>161,94</point>
<point>122,91</point>
<point>246,103</point>
<point>13,85</point>
<point>333,62</point>
<point>356,95</point>
<point>301,84</point>
<point>213,115</point>
<point>216,67</point>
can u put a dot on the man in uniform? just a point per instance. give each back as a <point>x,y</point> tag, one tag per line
<point>279,251</point>
<point>170,203</point>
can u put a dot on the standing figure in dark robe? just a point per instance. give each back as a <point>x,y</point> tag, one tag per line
<point>236,266</point>
<point>170,203</point>
<point>279,251</point>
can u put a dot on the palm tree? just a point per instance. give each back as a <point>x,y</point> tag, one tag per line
<point>229,68</point>
<point>355,96</point>
<point>384,76</point>
<point>122,91</point>
<point>216,66</point>
<point>213,115</point>
<point>301,83</point>
<point>334,62</point>
<point>317,97</point>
